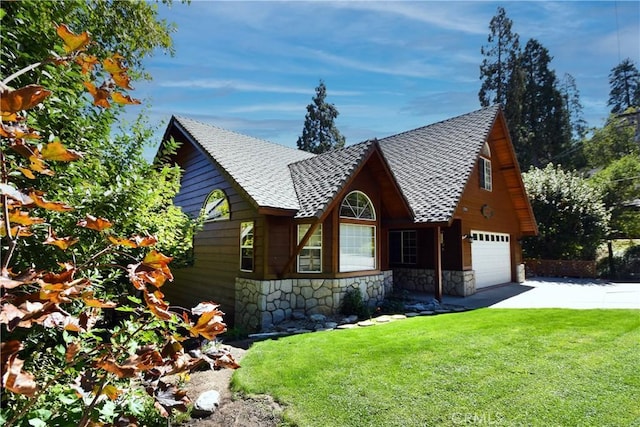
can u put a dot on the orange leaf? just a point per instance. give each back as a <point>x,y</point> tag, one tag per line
<point>38,165</point>
<point>210,323</point>
<point>87,62</point>
<point>100,96</point>
<point>93,302</point>
<point>21,99</point>
<point>124,99</point>
<point>16,231</point>
<point>57,152</point>
<point>17,216</point>
<point>111,391</point>
<point>25,150</point>
<point>156,260</point>
<point>72,42</point>
<point>27,173</point>
<point>98,224</point>
<point>118,370</point>
<point>145,240</point>
<point>114,65</point>
<point>16,380</point>
<point>52,206</point>
<point>119,241</point>
<point>63,243</point>
<point>157,305</point>
<point>71,352</point>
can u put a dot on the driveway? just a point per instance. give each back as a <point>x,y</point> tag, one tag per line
<point>554,293</point>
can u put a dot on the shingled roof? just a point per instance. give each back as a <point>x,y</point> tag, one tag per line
<point>259,167</point>
<point>319,179</point>
<point>432,164</point>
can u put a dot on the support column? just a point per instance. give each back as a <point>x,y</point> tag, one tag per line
<point>437,251</point>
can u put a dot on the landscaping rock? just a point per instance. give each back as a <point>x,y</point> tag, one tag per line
<point>318,317</point>
<point>206,404</point>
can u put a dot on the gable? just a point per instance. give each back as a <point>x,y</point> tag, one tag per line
<point>432,164</point>
<point>258,168</point>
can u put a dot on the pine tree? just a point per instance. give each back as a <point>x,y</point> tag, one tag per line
<point>500,57</point>
<point>320,133</point>
<point>624,80</point>
<point>545,127</point>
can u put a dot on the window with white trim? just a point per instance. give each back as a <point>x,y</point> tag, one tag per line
<point>310,257</point>
<point>357,233</point>
<point>484,166</point>
<point>246,246</point>
<point>216,206</point>
<point>403,247</point>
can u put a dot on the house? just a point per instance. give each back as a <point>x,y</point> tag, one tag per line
<point>441,208</point>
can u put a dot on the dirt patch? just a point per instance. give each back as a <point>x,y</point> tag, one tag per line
<point>234,410</point>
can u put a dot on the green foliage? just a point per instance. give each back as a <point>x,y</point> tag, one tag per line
<point>572,218</point>
<point>352,303</point>
<point>76,350</point>
<point>615,140</point>
<point>320,133</point>
<point>625,265</point>
<point>624,81</point>
<point>114,180</point>
<point>620,185</point>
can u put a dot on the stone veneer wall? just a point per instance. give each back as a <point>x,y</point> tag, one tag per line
<point>521,273</point>
<point>261,304</point>
<point>461,283</point>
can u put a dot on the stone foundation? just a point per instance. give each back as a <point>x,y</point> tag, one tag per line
<point>460,283</point>
<point>261,304</point>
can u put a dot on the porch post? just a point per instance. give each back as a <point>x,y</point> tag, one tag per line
<point>437,251</point>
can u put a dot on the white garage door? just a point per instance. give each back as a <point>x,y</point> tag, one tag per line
<point>491,258</point>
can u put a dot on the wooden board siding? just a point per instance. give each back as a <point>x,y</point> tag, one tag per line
<point>217,246</point>
<point>493,210</point>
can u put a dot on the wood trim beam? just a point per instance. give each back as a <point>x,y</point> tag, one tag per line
<point>303,242</point>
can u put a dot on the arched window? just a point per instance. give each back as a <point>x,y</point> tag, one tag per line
<point>357,205</point>
<point>216,206</point>
<point>357,233</point>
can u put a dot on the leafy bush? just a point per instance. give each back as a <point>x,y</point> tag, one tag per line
<point>62,362</point>
<point>352,303</point>
<point>572,218</point>
<point>626,266</point>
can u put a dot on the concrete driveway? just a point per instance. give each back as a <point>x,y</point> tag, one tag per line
<point>554,293</point>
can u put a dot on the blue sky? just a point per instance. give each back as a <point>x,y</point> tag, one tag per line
<point>252,67</point>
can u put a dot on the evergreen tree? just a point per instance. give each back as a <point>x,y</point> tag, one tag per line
<point>545,128</point>
<point>574,156</point>
<point>625,87</point>
<point>320,133</point>
<point>500,57</point>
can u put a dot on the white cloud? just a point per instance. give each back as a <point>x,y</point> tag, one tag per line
<point>240,86</point>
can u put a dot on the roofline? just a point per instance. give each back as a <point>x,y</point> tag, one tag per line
<point>176,122</point>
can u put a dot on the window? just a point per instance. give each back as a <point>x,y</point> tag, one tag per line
<point>484,166</point>
<point>216,206</point>
<point>357,205</point>
<point>246,246</point>
<point>310,258</point>
<point>403,247</point>
<point>357,233</point>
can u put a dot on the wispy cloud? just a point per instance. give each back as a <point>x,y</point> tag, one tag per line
<point>240,86</point>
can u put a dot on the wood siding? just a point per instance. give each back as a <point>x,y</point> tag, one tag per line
<point>217,246</point>
<point>493,210</point>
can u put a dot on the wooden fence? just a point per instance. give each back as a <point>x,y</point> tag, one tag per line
<point>560,268</point>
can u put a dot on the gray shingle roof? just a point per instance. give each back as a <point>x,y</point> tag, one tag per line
<point>432,164</point>
<point>260,167</point>
<point>317,180</point>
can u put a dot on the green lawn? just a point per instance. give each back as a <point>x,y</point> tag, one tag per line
<point>547,367</point>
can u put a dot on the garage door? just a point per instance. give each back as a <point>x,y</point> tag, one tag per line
<point>491,258</point>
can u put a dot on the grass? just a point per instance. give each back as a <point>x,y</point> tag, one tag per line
<point>547,367</point>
